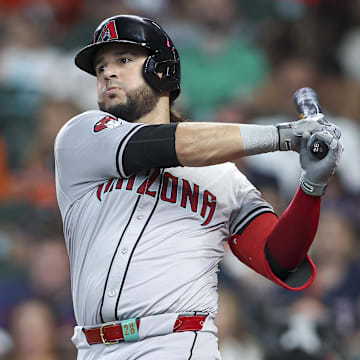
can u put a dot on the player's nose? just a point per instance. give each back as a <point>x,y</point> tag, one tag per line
<point>110,71</point>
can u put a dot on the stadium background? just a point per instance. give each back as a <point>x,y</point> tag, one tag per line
<point>241,62</point>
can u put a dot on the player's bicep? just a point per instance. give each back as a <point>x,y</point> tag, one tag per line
<point>250,206</point>
<point>152,146</point>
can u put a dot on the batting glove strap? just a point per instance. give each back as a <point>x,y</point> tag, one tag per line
<point>290,134</point>
<point>310,188</point>
<point>285,136</point>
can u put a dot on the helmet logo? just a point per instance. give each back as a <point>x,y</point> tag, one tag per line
<point>108,32</point>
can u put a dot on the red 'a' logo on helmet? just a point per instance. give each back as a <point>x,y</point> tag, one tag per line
<point>108,32</point>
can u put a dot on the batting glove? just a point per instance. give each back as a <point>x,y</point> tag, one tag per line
<point>290,134</point>
<point>316,173</point>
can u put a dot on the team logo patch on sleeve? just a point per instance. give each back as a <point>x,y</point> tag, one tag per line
<point>107,122</point>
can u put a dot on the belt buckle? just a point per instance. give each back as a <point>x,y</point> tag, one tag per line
<point>106,342</point>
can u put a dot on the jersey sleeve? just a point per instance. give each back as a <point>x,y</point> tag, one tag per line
<point>89,149</point>
<point>247,203</point>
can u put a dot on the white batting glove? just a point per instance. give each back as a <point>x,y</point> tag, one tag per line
<point>316,173</point>
<point>290,134</point>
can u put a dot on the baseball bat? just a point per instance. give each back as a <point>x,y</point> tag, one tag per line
<point>307,105</point>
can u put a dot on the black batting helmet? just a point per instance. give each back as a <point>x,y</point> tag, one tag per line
<point>129,29</point>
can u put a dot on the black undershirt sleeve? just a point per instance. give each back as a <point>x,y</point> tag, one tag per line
<point>153,146</point>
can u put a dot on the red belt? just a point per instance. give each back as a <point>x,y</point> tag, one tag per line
<point>112,333</point>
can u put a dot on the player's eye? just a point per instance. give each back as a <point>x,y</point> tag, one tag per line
<point>125,60</point>
<point>100,69</point>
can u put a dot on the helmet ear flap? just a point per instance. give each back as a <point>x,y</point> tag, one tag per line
<point>151,74</point>
<point>153,66</point>
<point>149,69</point>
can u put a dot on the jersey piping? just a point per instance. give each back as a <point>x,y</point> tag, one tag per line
<point>114,255</point>
<point>251,215</point>
<point>193,345</point>
<point>137,241</point>
<point>119,148</point>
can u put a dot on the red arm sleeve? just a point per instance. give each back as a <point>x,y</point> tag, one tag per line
<point>277,248</point>
<point>294,233</point>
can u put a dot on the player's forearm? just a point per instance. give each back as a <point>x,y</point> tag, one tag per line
<point>201,144</point>
<point>291,238</point>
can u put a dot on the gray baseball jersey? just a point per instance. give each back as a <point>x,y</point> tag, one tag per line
<point>144,244</point>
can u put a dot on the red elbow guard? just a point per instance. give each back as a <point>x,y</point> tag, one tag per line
<point>249,248</point>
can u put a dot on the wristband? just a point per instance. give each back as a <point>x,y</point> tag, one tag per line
<point>258,139</point>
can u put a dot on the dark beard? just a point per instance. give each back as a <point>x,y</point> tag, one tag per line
<point>139,102</point>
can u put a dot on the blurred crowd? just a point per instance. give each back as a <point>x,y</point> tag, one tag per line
<point>242,60</point>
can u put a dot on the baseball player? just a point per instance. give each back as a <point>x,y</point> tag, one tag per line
<point>147,203</point>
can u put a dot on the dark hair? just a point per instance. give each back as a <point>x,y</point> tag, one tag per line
<point>175,116</point>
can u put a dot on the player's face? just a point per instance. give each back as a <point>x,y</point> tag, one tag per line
<point>122,90</point>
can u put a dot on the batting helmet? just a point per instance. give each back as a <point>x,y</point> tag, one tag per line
<point>129,29</point>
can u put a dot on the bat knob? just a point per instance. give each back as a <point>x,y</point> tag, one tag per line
<point>319,149</point>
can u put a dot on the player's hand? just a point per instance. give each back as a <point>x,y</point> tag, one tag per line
<point>291,134</point>
<point>316,173</point>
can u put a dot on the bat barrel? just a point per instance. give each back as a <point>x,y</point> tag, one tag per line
<point>306,102</point>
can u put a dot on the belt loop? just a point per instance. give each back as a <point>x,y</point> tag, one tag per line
<point>130,329</point>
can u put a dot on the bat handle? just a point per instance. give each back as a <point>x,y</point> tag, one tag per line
<point>319,149</point>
